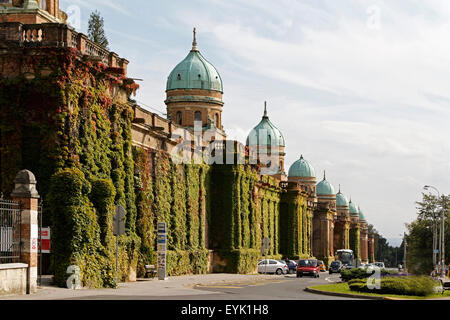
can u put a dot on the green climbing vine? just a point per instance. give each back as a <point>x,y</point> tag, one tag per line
<point>354,238</point>
<point>176,194</point>
<point>69,125</point>
<point>246,210</point>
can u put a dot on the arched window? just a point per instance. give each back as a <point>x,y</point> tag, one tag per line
<point>216,118</point>
<point>179,117</point>
<point>43,4</point>
<point>197,116</point>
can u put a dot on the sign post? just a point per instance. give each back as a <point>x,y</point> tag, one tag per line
<point>44,234</point>
<point>162,247</point>
<point>265,246</point>
<point>118,230</point>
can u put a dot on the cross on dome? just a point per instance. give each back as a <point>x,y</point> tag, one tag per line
<point>194,42</point>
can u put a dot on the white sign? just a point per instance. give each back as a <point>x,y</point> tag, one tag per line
<point>162,245</point>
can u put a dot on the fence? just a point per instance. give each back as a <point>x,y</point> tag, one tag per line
<point>10,221</point>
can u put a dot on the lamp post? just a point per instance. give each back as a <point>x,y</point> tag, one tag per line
<point>441,235</point>
<point>404,252</point>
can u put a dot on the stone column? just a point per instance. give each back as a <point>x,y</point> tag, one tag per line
<point>26,194</point>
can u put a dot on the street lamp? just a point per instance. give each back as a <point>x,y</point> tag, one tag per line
<point>441,234</point>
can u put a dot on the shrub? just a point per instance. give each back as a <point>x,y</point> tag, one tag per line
<point>240,261</point>
<point>76,232</point>
<point>358,273</point>
<point>411,286</point>
<point>180,262</point>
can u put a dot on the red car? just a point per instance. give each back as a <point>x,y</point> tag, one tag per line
<point>308,267</point>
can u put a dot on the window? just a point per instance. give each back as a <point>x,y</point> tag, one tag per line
<point>43,4</point>
<point>179,118</point>
<point>179,77</point>
<point>272,262</point>
<point>5,1</point>
<point>197,116</point>
<point>216,119</point>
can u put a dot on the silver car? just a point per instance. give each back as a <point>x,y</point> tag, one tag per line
<point>272,266</point>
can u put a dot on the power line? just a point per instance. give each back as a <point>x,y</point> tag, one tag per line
<point>159,111</point>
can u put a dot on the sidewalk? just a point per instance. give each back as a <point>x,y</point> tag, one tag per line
<point>174,286</point>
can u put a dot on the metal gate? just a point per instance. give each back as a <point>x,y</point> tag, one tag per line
<point>10,221</point>
<point>40,243</point>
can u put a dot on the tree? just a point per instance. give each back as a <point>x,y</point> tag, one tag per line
<point>96,32</point>
<point>382,250</point>
<point>420,239</point>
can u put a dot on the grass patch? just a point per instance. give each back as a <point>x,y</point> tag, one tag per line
<point>344,288</point>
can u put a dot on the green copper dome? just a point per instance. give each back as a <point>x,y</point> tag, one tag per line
<point>353,209</point>
<point>324,188</point>
<point>194,72</point>
<point>361,215</point>
<point>265,134</point>
<point>341,200</point>
<point>301,168</point>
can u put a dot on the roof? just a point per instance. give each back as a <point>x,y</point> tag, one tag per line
<point>194,72</point>
<point>301,168</point>
<point>265,134</point>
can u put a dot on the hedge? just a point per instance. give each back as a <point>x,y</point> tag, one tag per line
<point>359,273</point>
<point>411,286</point>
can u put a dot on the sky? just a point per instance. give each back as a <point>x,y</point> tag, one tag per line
<point>359,88</point>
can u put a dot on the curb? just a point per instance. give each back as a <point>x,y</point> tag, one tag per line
<point>348,295</point>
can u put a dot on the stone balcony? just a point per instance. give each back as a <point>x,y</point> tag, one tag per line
<point>55,35</point>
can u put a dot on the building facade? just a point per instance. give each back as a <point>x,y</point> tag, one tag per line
<point>221,216</point>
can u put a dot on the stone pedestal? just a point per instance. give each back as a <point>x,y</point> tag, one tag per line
<point>26,195</point>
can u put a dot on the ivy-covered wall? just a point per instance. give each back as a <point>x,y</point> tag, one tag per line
<point>355,242</point>
<point>296,224</point>
<point>72,128</point>
<point>245,210</point>
<point>178,195</point>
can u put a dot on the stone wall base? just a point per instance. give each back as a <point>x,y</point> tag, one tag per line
<point>13,278</point>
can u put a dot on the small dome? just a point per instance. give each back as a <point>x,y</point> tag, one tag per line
<point>195,72</point>
<point>353,209</point>
<point>301,168</point>
<point>265,134</point>
<point>341,200</point>
<point>324,188</point>
<point>361,215</point>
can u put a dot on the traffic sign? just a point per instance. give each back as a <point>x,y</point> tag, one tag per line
<point>119,221</point>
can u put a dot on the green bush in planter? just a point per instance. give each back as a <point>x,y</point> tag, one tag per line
<point>412,286</point>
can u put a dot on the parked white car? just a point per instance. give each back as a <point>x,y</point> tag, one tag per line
<point>272,266</point>
<point>379,265</point>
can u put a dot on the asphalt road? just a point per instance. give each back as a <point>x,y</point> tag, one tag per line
<point>283,287</point>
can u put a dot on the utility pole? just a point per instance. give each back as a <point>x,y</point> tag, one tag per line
<point>437,243</point>
<point>442,236</point>
<point>404,251</point>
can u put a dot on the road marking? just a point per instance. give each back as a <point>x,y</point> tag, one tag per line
<point>333,281</point>
<point>219,287</point>
<point>240,285</point>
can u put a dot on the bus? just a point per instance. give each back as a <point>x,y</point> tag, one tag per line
<point>345,256</point>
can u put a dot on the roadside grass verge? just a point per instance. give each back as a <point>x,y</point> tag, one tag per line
<point>344,288</point>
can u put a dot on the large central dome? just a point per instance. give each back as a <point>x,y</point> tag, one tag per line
<point>195,72</point>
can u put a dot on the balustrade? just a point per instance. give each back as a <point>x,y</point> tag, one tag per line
<point>57,35</point>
